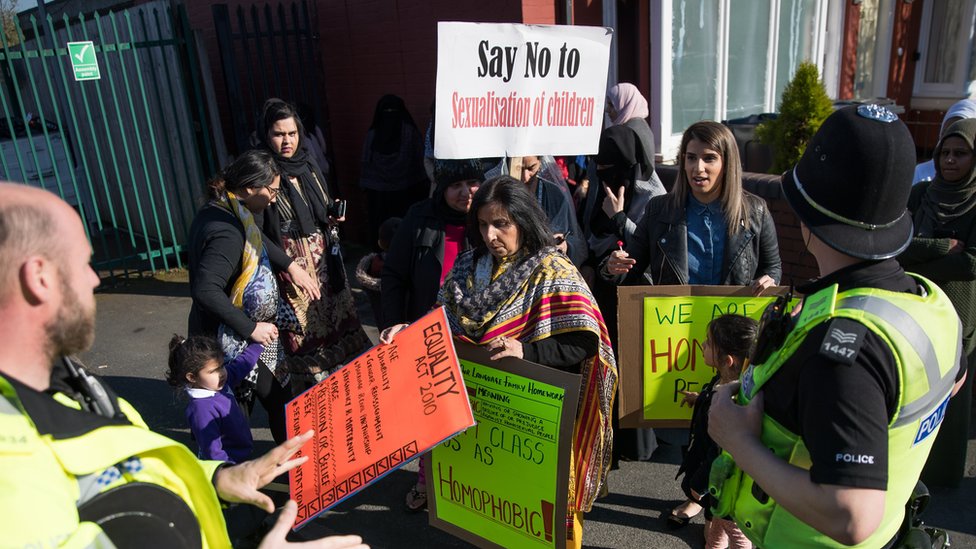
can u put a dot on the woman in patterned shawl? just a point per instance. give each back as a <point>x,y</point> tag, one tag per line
<point>318,335</point>
<point>235,296</point>
<point>515,293</point>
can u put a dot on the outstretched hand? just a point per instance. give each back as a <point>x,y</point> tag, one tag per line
<point>276,536</point>
<point>240,483</point>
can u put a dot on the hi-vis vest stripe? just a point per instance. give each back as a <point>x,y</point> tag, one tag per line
<point>915,335</point>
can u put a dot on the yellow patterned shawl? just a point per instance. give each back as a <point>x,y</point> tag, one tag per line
<point>253,246</point>
<point>531,299</point>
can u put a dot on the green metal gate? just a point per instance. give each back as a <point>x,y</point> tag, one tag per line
<point>131,150</point>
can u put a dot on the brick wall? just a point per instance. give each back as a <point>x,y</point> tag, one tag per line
<point>798,264</point>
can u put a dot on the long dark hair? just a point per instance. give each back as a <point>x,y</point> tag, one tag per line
<point>252,169</point>
<point>717,137</point>
<point>522,207</point>
<point>189,356</point>
<point>733,335</point>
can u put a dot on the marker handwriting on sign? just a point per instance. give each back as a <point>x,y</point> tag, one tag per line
<point>433,364</point>
<point>499,61</point>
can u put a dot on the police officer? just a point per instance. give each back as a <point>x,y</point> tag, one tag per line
<point>78,466</point>
<point>832,422</point>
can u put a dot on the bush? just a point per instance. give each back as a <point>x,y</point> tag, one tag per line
<point>804,106</point>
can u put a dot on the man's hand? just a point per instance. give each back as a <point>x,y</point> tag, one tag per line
<point>240,483</point>
<point>304,281</point>
<point>730,424</point>
<point>276,536</point>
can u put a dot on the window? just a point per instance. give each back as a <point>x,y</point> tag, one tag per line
<point>728,59</point>
<point>945,66</point>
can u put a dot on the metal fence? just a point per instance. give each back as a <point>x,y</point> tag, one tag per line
<point>129,150</point>
<point>267,52</point>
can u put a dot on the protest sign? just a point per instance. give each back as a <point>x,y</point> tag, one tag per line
<point>390,404</point>
<point>516,90</point>
<point>661,354</point>
<point>505,482</point>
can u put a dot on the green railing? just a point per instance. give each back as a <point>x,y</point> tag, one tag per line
<point>131,150</point>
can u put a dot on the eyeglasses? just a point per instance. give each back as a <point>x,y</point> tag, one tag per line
<point>273,190</point>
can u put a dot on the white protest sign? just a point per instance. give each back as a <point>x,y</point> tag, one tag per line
<point>517,90</point>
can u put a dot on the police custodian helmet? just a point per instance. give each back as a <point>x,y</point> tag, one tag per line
<point>851,185</point>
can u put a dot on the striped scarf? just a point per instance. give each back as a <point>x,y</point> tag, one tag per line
<point>530,299</point>
<point>253,246</point>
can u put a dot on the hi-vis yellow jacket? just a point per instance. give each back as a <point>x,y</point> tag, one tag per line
<point>44,478</point>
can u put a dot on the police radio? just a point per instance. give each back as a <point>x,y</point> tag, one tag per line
<point>94,397</point>
<point>774,325</point>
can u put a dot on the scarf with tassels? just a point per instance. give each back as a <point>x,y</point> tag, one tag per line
<point>530,299</point>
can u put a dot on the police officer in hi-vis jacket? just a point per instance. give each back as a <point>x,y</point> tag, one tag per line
<point>826,434</point>
<point>78,466</point>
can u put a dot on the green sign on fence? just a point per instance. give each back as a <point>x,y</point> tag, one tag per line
<point>83,60</point>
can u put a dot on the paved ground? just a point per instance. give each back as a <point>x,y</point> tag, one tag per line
<point>136,320</point>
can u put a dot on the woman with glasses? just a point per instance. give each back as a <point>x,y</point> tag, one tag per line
<point>235,296</point>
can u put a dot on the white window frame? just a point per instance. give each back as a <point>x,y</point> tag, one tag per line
<point>956,88</point>
<point>660,13</point>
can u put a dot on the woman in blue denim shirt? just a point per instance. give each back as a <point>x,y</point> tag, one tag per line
<point>707,230</point>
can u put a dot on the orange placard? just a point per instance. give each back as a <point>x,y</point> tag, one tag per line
<point>376,413</point>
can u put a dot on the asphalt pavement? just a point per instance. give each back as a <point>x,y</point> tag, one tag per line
<point>136,319</point>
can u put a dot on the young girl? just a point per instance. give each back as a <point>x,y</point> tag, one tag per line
<point>727,345</point>
<point>216,420</point>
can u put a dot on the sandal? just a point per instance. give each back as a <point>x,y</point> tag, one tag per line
<point>676,521</point>
<point>416,500</point>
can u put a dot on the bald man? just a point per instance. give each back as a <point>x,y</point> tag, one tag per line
<point>78,466</point>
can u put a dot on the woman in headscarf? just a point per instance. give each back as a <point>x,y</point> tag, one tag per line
<point>393,173</point>
<point>323,334</point>
<point>944,250</point>
<point>960,110</point>
<point>424,249</point>
<point>517,295</point>
<point>625,182</point>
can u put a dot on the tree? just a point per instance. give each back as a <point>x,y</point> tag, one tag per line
<point>8,16</point>
<point>803,107</point>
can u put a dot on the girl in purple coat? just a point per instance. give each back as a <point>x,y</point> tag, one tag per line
<point>216,420</point>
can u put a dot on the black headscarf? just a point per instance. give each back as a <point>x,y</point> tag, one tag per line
<point>944,201</point>
<point>446,173</point>
<point>619,162</point>
<point>310,202</point>
<point>390,115</point>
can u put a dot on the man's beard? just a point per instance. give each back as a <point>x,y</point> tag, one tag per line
<point>73,330</point>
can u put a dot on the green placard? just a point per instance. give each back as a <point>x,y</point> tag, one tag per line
<point>504,482</point>
<point>84,64</point>
<point>675,329</point>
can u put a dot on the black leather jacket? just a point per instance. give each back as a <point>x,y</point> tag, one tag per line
<point>660,247</point>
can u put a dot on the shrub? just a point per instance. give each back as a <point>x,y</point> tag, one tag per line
<point>803,107</point>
